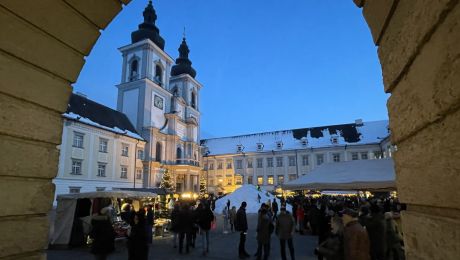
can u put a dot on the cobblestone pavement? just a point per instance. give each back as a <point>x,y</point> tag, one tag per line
<point>223,246</point>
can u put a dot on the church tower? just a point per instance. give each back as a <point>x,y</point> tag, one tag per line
<point>161,100</point>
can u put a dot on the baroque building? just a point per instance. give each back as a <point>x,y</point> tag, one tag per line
<point>271,158</point>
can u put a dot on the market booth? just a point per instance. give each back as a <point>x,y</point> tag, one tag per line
<point>359,175</point>
<point>74,213</point>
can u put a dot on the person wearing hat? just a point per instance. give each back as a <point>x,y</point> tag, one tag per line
<point>241,225</point>
<point>355,237</point>
<point>285,229</point>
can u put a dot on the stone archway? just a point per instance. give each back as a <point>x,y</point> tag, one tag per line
<point>42,50</point>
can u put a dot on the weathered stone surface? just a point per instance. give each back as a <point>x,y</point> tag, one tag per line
<point>432,85</point>
<point>376,13</point>
<point>27,82</point>
<point>427,165</point>
<point>430,237</point>
<point>27,42</point>
<point>100,12</point>
<point>26,196</point>
<point>66,24</point>
<point>23,234</point>
<point>21,118</point>
<point>27,158</point>
<point>409,27</point>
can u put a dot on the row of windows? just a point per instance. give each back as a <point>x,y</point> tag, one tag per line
<point>271,179</point>
<point>78,139</point>
<point>75,189</point>
<point>101,170</point>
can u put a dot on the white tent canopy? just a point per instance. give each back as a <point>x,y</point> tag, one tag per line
<point>349,175</point>
<point>119,194</point>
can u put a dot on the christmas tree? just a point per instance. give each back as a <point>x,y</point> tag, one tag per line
<point>167,181</point>
<point>203,188</point>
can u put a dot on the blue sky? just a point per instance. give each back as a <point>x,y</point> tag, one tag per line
<point>265,64</point>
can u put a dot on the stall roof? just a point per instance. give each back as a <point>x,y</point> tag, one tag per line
<point>122,194</point>
<point>349,175</point>
<point>158,191</point>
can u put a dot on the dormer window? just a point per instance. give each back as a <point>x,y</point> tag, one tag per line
<point>260,147</point>
<point>239,148</point>
<point>279,145</point>
<point>304,141</point>
<point>133,70</point>
<point>334,139</point>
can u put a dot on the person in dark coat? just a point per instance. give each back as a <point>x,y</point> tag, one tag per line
<point>323,227</point>
<point>332,247</point>
<point>285,229</point>
<point>241,225</point>
<point>175,224</point>
<point>376,228</point>
<point>149,224</point>
<point>185,227</point>
<point>355,238</point>
<point>263,234</point>
<point>138,248</point>
<point>103,237</point>
<point>275,209</point>
<point>204,220</point>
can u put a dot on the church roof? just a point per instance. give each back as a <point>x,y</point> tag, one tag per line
<point>304,138</point>
<point>183,63</point>
<point>88,112</point>
<point>148,29</point>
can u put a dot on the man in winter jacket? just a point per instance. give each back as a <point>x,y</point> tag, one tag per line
<point>376,227</point>
<point>263,233</point>
<point>241,225</point>
<point>285,228</point>
<point>355,238</point>
<point>204,219</point>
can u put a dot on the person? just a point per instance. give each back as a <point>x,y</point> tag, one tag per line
<point>258,198</point>
<point>185,226</point>
<point>394,250</point>
<point>263,233</point>
<point>171,205</point>
<point>376,229</point>
<point>225,215</point>
<point>355,239</point>
<point>174,224</point>
<point>232,218</point>
<point>275,209</point>
<point>204,219</point>
<point>149,223</point>
<point>138,248</point>
<point>332,247</point>
<point>300,215</point>
<point>103,237</point>
<point>323,226</point>
<point>195,227</point>
<point>228,204</point>
<point>241,226</point>
<point>285,228</point>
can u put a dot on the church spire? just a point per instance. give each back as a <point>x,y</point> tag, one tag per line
<point>148,29</point>
<point>183,63</point>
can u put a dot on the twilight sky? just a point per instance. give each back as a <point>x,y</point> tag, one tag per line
<point>265,64</point>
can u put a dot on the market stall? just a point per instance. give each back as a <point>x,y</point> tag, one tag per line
<point>74,213</point>
<point>359,175</point>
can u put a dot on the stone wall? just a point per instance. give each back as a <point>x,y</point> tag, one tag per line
<point>42,49</point>
<point>419,52</point>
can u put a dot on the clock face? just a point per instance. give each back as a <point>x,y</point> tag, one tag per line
<point>158,102</point>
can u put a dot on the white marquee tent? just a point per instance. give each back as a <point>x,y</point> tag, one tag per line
<point>349,175</point>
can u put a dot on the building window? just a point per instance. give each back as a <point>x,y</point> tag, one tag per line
<point>211,182</point>
<point>260,147</point>
<point>378,154</point>
<point>279,145</point>
<point>229,165</point>
<point>193,101</point>
<point>158,74</point>
<point>219,166</point>
<point>103,145</point>
<point>279,161</point>
<point>270,180</point>
<point>354,156</point>
<point>73,190</point>
<point>280,179</point>
<point>101,169</point>
<point>291,160</point>
<point>292,177</point>
<point>78,139</point>
<point>229,181</point>
<point>140,154</point>
<point>124,150</point>
<point>76,167</point>
<point>211,166</point>
<point>364,156</point>
<point>134,70</point>
<point>319,159</point>
<point>304,141</point>
<point>239,148</point>
<point>124,172</point>
<point>100,188</point>
<point>260,180</point>
<point>270,162</point>
<point>158,152</point>
<point>250,163</point>
<point>238,181</point>
<point>305,160</point>
<point>239,164</point>
<point>259,163</point>
<point>336,157</point>
<point>334,140</point>
<point>250,180</point>
<point>139,174</point>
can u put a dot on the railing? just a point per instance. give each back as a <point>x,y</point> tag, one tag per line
<point>187,162</point>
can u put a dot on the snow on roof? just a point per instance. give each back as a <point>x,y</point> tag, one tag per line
<point>247,193</point>
<point>313,137</point>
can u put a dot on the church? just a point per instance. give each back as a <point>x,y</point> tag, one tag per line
<point>154,130</point>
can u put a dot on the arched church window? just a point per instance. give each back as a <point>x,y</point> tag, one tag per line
<point>193,101</point>
<point>158,152</point>
<point>134,70</point>
<point>179,155</point>
<point>158,73</point>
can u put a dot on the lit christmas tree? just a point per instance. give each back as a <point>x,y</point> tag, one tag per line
<point>203,188</point>
<point>167,182</point>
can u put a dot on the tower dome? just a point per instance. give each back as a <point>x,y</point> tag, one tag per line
<point>148,29</point>
<point>183,63</point>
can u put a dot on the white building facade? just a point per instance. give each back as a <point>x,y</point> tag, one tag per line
<point>269,159</point>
